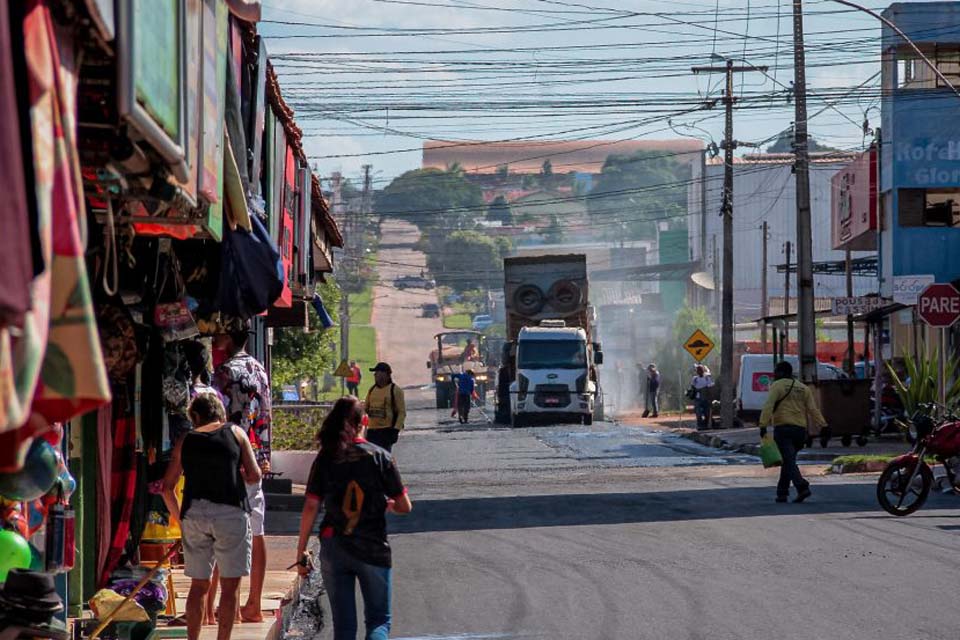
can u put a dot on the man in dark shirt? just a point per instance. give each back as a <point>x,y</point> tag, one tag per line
<point>465,389</point>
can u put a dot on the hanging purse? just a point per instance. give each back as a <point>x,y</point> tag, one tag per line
<point>173,319</point>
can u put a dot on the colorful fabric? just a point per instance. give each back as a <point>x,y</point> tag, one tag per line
<point>243,382</point>
<point>55,367</point>
<point>123,485</point>
<point>16,261</point>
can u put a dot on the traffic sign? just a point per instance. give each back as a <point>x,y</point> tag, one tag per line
<point>699,345</point>
<point>343,370</point>
<point>939,305</point>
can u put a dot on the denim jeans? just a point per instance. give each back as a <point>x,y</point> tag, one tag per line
<point>702,408</point>
<point>385,437</point>
<point>652,403</point>
<point>341,571</point>
<point>790,440</point>
<point>463,406</point>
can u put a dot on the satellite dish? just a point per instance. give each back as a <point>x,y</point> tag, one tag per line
<point>703,279</point>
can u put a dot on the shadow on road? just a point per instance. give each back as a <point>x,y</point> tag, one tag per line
<point>519,512</point>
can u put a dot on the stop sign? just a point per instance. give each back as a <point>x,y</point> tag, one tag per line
<point>939,305</point>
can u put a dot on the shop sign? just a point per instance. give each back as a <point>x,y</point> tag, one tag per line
<point>906,289</point>
<point>855,306</point>
<point>854,204</point>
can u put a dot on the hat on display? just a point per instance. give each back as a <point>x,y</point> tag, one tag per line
<point>29,603</point>
<point>382,366</point>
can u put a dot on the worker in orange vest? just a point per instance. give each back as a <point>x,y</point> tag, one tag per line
<point>353,380</point>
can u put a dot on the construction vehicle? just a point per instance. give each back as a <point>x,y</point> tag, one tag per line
<point>457,352</point>
<point>549,363</point>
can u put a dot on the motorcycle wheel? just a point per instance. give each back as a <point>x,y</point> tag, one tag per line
<point>895,497</point>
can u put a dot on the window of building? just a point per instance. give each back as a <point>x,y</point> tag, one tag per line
<point>913,72</point>
<point>928,207</point>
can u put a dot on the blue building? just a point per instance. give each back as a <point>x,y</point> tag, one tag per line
<point>920,155</point>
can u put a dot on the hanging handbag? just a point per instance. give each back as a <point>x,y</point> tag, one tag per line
<point>173,319</point>
<point>251,275</point>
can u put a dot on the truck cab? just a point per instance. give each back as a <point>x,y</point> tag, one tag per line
<point>555,374</point>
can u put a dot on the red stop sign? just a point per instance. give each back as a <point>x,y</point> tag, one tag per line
<point>939,305</point>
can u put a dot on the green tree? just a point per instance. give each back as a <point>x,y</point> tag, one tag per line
<point>467,260</point>
<point>546,169</point>
<point>299,355</point>
<point>499,210</point>
<point>784,144</point>
<point>635,191</point>
<point>433,199</point>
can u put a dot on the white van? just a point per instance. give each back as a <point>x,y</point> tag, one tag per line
<point>756,376</point>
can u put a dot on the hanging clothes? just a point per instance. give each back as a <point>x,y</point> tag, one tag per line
<point>56,366</point>
<point>16,261</point>
<point>123,482</point>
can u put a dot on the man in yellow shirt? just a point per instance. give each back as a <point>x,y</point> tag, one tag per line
<point>386,407</point>
<point>790,408</point>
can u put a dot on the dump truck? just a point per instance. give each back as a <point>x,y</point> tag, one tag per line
<point>457,352</point>
<point>549,362</point>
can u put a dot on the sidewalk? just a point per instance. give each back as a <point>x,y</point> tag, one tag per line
<point>747,439</point>
<point>276,587</point>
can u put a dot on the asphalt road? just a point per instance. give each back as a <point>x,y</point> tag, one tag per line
<point>404,337</point>
<point>616,532</point>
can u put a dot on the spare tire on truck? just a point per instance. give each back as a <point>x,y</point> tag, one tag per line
<point>528,300</point>
<point>565,296</point>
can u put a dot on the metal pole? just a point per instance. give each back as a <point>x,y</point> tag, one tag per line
<point>942,377</point>
<point>716,278</point>
<point>764,305</point>
<point>786,302</point>
<point>805,307</point>
<point>851,359</point>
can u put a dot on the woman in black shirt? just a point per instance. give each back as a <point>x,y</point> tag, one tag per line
<point>356,483</point>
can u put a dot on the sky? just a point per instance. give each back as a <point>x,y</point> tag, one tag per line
<point>369,80</point>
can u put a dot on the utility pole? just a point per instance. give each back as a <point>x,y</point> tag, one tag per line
<point>786,300</point>
<point>806,320</point>
<point>850,350</point>
<point>764,304</point>
<point>716,278</point>
<point>726,328</point>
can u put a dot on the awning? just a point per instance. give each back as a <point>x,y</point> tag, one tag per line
<point>879,314</point>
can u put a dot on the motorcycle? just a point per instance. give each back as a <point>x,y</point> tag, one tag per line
<point>905,483</point>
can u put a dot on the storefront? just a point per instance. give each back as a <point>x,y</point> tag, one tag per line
<point>163,197</point>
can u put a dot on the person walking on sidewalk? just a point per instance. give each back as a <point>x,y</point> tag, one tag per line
<point>386,407</point>
<point>651,405</point>
<point>216,460</point>
<point>700,396</point>
<point>353,380</point>
<point>356,483</point>
<point>245,387</point>
<point>790,408</point>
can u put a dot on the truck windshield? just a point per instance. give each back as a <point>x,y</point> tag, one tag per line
<point>552,354</point>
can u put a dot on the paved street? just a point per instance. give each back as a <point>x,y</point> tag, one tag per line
<point>613,532</point>
<point>404,338</point>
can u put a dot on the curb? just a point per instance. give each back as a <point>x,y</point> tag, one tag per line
<point>872,466</point>
<point>807,455</point>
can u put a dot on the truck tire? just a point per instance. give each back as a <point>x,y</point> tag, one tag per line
<point>588,419</point>
<point>565,296</point>
<point>528,299</point>
<point>517,421</point>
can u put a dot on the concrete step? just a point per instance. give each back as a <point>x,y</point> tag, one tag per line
<point>284,501</point>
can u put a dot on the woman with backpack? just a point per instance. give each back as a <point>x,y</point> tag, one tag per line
<point>355,483</point>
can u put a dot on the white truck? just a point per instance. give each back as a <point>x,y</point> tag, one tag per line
<point>548,371</point>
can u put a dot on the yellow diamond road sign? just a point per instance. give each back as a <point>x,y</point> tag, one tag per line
<point>343,370</point>
<point>698,345</point>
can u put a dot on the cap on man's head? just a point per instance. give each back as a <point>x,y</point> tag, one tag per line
<point>382,366</point>
<point>651,366</point>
